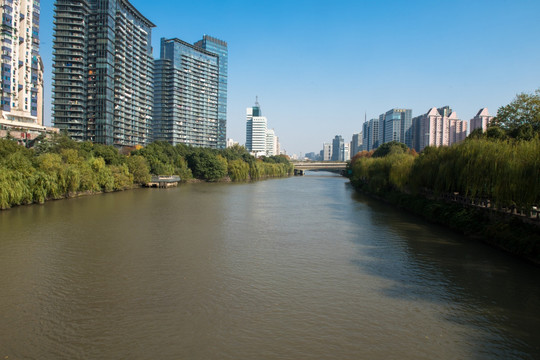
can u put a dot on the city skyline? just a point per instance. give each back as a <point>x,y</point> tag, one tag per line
<point>320,68</point>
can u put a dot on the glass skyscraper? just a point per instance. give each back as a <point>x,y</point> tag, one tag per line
<point>397,126</point>
<point>102,76</point>
<point>186,95</point>
<point>70,67</point>
<point>219,47</point>
<point>338,148</point>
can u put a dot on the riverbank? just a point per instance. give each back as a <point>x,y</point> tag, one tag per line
<point>72,195</point>
<point>504,231</point>
<point>59,168</point>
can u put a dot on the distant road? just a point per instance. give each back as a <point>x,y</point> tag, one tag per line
<point>322,165</point>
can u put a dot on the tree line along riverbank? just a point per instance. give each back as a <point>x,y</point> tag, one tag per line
<point>59,168</point>
<point>487,188</point>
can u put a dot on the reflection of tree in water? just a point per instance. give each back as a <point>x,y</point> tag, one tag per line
<point>484,288</point>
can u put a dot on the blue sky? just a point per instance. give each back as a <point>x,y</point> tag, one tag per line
<point>319,66</point>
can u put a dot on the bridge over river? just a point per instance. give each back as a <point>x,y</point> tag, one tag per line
<point>333,166</point>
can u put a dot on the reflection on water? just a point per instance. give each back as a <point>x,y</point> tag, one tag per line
<point>295,268</point>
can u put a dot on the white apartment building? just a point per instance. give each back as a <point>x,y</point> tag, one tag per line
<point>327,152</point>
<point>21,83</point>
<point>260,141</point>
<point>258,135</point>
<point>346,151</point>
<point>270,142</point>
<point>277,145</point>
<point>356,143</point>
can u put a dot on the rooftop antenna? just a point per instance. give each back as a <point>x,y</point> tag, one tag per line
<point>256,100</point>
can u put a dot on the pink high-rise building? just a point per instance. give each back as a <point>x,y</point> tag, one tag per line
<point>481,120</point>
<point>438,127</point>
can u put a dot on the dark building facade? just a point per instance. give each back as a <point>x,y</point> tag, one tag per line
<point>102,72</point>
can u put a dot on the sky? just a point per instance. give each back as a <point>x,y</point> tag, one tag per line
<point>320,67</point>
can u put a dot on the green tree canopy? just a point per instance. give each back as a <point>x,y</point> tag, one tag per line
<point>392,147</point>
<point>207,166</point>
<point>523,111</point>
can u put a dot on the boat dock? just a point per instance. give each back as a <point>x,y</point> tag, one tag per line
<point>164,181</point>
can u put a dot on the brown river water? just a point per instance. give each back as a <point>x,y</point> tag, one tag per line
<point>295,268</point>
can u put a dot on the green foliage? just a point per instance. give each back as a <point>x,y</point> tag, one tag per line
<point>476,134</point>
<point>237,152</point>
<point>506,173</point>
<point>59,167</point>
<point>160,156</point>
<point>181,168</point>
<point>275,159</point>
<point>138,167</point>
<point>8,147</point>
<point>238,170</point>
<point>392,147</point>
<point>496,133</point>
<point>109,153</point>
<point>524,109</point>
<point>14,189</point>
<point>206,165</point>
<point>123,179</point>
<point>103,174</point>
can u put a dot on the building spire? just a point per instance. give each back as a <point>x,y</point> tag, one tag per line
<point>256,100</point>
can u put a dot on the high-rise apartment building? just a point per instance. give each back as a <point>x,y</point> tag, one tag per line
<point>271,141</point>
<point>338,148</point>
<point>21,83</point>
<point>219,47</point>
<point>356,144</point>
<point>277,145</point>
<point>346,151</point>
<point>397,124</point>
<point>186,95</point>
<point>326,152</point>
<point>70,67</point>
<point>102,71</point>
<point>256,127</point>
<point>370,134</point>
<point>481,120</point>
<point>438,127</point>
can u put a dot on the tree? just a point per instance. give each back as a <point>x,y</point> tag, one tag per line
<point>476,134</point>
<point>138,166</point>
<point>525,109</point>
<point>495,133</point>
<point>8,147</point>
<point>109,153</point>
<point>392,147</point>
<point>235,152</point>
<point>207,166</point>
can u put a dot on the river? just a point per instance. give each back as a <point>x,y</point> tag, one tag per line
<point>295,268</point>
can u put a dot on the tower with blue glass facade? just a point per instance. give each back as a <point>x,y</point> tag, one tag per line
<point>397,126</point>
<point>219,47</point>
<point>186,95</point>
